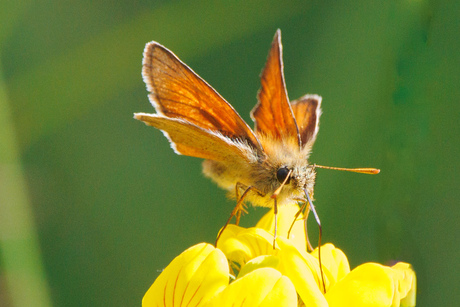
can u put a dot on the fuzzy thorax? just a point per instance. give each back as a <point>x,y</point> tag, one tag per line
<point>260,173</point>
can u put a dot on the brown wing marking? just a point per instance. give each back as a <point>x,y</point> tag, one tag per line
<point>272,114</point>
<point>191,140</point>
<point>176,91</point>
<point>307,110</point>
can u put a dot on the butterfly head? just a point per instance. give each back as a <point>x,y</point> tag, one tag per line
<point>292,180</point>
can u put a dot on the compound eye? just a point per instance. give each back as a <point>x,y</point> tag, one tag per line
<point>282,173</point>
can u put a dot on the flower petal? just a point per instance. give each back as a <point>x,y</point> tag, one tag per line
<point>334,260</point>
<point>286,214</point>
<point>240,245</point>
<point>407,283</point>
<point>282,294</point>
<point>265,261</point>
<point>192,277</point>
<point>372,284</point>
<point>261,287</point>
<point>303,270</point>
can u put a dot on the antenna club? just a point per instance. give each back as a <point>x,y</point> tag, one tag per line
<point>365,170</point>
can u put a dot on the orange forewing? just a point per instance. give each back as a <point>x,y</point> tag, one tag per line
<point>307,110</point>
<point>178,92</point>
<point>191,140</point>
<point>273,115</point>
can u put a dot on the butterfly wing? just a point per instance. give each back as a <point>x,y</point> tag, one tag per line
<point>191,140</point>
<point>176,91</point>
<point>272,114</point>
<point>307,110</point>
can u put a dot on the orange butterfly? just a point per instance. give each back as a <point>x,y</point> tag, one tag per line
<point>268,166</point>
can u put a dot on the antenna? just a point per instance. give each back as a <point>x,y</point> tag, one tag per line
<point>365,170</point>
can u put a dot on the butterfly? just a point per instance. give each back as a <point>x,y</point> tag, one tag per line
<point>267,166</point>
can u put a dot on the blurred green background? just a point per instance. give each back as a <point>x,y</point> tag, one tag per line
<point>93,204</point>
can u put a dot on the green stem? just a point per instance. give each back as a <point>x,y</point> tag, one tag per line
<point>20,257</point>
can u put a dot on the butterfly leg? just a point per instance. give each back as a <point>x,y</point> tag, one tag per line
<point>275,212</point>
<point>306,209</point>
<point>275,205</point>
<point>239,208</point>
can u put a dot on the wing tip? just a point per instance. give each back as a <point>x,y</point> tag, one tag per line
<point>278,34</point>
<point>149,47</point>
<point>143,117</point>
<point>147,60</point>
<point>139,116</point>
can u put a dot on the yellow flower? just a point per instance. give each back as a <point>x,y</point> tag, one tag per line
<point>260,287</point>
<point>285,276</point>
<point>190,279</point>
<point>373,284</point>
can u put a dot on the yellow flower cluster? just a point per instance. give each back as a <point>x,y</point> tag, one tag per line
<point>284,276</point>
